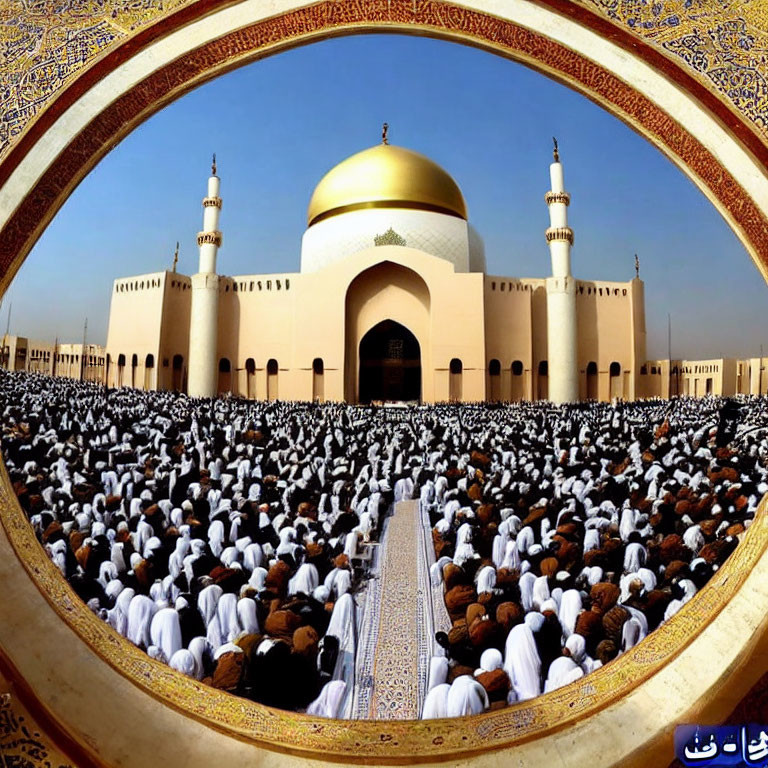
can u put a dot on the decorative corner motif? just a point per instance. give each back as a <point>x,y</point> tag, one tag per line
<point>390,237</point>
<point>21,744</point>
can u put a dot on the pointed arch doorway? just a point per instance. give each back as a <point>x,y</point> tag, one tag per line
<point>390,364</point>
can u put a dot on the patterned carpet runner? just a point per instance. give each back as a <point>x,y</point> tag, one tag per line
<point>397,636</point>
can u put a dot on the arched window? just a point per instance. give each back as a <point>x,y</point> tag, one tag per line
<point>494,374</point>
<point>272,369</point>
<point>149,365</point>
<point>517,368</point>
<point>592,393</point>
<point>455,380</point>
<point>643,370</point>
<point>318,379</point>
<point>615,380</point>
<point>543,380</point>
<point>250,376</point>
<point>225,376</point>
<point>134,366</point>
<point>178,373</point>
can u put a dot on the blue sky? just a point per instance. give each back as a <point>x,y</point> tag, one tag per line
<point>278,125</point>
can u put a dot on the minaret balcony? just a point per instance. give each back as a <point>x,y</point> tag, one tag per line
<point>212,202</point>
<point>559,234</point>
<point>209,238</point>
<point>557,197</point>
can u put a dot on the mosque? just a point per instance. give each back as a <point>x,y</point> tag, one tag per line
<point>392,303</point>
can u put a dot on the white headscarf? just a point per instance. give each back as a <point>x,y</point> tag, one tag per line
<point>570,608</point>
<point>207,601</point>
<point>491,660</point>
<point>165,632</point>
<point>140,613</point>
<point>436,702</point>
<point>438,671</point>
<point>184,661</point>
<point>246,612</point>
<point>227,613</point>
<point>466,697</point>
<point>118,616</point>
<point>199,648</point>
<point>562,670</point>
<point>328,703</point>
<point>306,580</point>
<point>522,662</point>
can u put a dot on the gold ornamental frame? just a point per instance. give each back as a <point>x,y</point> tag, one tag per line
<point>76,113</point>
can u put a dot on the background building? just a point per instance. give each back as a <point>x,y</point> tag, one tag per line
<point>19,353</point>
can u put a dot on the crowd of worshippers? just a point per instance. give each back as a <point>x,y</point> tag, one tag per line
<point>563,537</point>
<point>228,537</point>
<point>224,537</point>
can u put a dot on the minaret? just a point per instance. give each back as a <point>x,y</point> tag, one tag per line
<point>203,325</point>
<point>562,339</point>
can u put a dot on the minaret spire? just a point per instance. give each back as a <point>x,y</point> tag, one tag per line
<point>561,292</point>
<point>176,256</point>
<point>384,131</point>
<point>203,329</point>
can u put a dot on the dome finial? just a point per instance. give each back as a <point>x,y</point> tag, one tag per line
<point>384,129</point>
<point>555,153</point>
<point>213,165</point>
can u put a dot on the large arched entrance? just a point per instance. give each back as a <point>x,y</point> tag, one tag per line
<point>390,364</point>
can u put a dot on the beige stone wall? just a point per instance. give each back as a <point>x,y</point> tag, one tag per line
<point>607,319</point>
<point>135,323</point>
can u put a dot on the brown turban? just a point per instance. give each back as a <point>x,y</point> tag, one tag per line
<point>226,676</point>
<point>282,624</point>
<point>589,624</point>
<point>458,598</point>
<point>613,623</point>
<point>277,577</point>
<point>604,596</point>
<point>508,614</point>
<point>496,684</point>
<point>482,631</point>
<point>549,566</point>
<point>458,633</point>
<point>474,611</point>
<point>453,575</point>
<point>305,641</point>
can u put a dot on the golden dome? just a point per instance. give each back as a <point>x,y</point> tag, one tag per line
<point>386,176</point>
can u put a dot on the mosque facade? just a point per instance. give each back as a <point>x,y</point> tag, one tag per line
<point>392,303</point>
